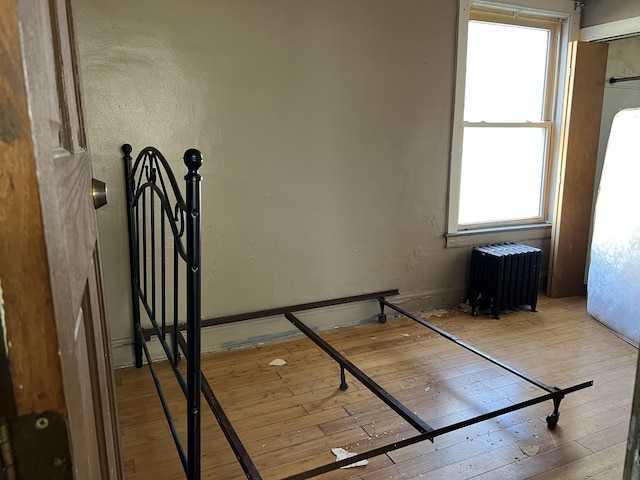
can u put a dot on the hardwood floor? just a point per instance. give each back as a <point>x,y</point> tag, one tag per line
<point>290,416</point>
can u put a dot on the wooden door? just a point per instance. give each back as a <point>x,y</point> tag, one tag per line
<point>56,351</point>
<point>577,165</point>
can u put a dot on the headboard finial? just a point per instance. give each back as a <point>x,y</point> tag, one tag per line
<point>127,149</point>
<point>193,159</point>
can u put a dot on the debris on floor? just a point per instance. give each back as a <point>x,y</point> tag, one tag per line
<point>465,307</point>
<point>530,450</point>
<point>438,312</point>
<point>341,454</point>
<point>277,362</point>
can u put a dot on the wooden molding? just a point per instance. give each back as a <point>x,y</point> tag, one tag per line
<point>577,166</point>
<point>611,31</point>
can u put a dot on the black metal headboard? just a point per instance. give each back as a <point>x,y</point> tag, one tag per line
<point>155,202</point>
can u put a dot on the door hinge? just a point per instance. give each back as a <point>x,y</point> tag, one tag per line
<point>35,447</point>
<point>7,460</point>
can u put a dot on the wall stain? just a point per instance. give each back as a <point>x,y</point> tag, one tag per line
<point>10,86</point>
<point>9,130</point>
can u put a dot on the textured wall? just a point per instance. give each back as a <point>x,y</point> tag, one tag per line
<point>325,127</point>
<point>623,61</point>
<point>605,11</point>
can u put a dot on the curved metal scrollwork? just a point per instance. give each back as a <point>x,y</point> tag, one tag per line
<point>164,288</point>
<point>150,165</point>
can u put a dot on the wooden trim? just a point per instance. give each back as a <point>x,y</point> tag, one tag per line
<point>611,31</point>
<point>104,371</point>
<point>65,135</point>
<point>29,316</point>
<point>455,161</point>
<point>538,8</point>
<point>7,406</point>
<point>563,26</point>
<point>82,143</point>
<point>544,124</point>
<point>578,155</point>
<point>507,17</point>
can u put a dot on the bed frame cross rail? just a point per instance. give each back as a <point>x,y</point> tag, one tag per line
<point>345,364</point>
<point>435,433</point>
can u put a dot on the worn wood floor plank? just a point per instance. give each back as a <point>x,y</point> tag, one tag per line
<point>290,416</point>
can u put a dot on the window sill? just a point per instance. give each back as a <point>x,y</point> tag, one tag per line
<point>483,236</point>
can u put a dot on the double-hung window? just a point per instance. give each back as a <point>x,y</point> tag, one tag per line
<point>504,140</point>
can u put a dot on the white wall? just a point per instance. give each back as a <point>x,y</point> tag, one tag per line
<point>325,127</point>
<point>623,61</point>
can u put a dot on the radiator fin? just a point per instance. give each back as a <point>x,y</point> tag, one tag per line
<point>504,277</point>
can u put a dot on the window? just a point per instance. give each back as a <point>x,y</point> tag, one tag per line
<point>504,124</point>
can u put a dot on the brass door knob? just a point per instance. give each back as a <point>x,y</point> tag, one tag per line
<point>99,192</point>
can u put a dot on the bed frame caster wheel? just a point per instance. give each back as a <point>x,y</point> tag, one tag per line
<point>552,419</point>
<point>382,318</point>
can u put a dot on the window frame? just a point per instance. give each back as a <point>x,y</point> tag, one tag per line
<point>533,13</point>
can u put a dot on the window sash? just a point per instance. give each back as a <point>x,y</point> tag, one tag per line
<point>545,175</point>
<point>563,25</point>
<point>546,124</point>
<point>495,84</point>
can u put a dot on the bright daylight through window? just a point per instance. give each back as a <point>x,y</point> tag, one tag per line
<point>507,124</point>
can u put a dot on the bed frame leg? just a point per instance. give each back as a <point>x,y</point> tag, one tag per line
<point>382,317</point>
<point>343,379</point>
<point>133,252</point>
<point>138,352</point>
<point>176,350</point>
<point>553,417</point>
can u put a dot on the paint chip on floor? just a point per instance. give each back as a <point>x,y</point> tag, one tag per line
<point>341,454</point>
<point>530,450</point>
<point>438,312</point>
<point>277,362</point>
<point>465,307</point>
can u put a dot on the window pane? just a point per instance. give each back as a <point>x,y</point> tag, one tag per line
<point>502,174</point>
<point>506,73</point>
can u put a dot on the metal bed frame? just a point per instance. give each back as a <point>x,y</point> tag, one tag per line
<point>155,202</point>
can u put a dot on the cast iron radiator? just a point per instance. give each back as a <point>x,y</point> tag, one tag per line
<point>504,276</point>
